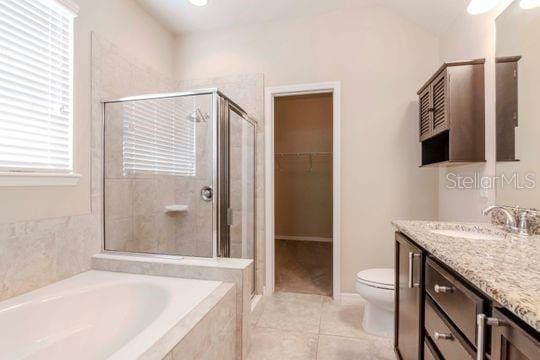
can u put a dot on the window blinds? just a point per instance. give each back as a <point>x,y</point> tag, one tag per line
<point>36,38</point>
<point>159,137</point>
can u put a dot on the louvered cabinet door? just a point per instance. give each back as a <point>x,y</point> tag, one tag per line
<point>439,90</point>
<point>426,114</point>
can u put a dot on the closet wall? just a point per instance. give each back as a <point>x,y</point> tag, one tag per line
<point>303,174</point>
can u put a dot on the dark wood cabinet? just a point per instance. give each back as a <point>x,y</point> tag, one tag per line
<point>452,114</point>
<point>509,341</point>
<point>507,107</point>
<point>409,262</point>
<point>438,312</point>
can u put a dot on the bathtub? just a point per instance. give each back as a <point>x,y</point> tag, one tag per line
<point>97,315</point>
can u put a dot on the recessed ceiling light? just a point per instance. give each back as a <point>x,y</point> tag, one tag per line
<point>199,2</point>
<point>529,4</point>
<point>477,7</point>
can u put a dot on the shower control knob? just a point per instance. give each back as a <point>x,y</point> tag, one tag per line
<point>207,193</point>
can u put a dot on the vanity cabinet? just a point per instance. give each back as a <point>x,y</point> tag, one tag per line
<point>510,342</point>
<point>451,114</point>
<point>409,265</point>
<point>437,311</point>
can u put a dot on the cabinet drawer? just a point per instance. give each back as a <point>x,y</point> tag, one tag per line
<point>429,350</point>
<point>459,303</point>
<point>445,339</point>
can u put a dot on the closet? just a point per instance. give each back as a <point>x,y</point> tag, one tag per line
<point>303,193</point>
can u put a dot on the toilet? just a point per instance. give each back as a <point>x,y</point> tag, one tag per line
<point>376,286</point>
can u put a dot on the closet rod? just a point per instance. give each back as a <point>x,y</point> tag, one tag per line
<point>303,153</point>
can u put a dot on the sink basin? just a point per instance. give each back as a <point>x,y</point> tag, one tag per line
<point>467,234</point>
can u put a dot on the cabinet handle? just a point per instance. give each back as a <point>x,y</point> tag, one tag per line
<point>481,321</point>
<point>443,289</point>
<point>442,336</point>
<point>411,283</point>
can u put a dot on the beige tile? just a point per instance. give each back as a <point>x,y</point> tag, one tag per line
<point>295,312</point>
<point>341,320</point>
<point>271,344</point>
<point>341,348</point>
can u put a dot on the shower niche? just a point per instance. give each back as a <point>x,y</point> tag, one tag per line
<point>179,175</point>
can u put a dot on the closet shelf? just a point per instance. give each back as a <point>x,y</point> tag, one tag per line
<point>313,153</point>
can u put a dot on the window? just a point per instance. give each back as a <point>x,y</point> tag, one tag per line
<point>36,71</point>
<point>159,136</point>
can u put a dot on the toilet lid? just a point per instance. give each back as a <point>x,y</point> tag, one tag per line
<point>381,278</point>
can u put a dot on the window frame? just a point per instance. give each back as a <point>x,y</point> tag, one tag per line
<point>21,177</point>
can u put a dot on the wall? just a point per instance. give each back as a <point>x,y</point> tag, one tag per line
<point>303,184</point>
<point>369,51</point>
<point>471,37</point>
<point>47,234</point>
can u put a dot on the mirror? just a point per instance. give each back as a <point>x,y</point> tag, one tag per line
<point>518,107</point>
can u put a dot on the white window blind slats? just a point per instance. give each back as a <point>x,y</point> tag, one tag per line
<point>159,137</point>
<point>35,86</point>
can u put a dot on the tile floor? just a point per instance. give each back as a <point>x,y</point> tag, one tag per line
<point>313,327</point>
<point>304,267</point>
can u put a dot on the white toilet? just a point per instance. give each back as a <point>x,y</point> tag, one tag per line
<point>376,286</point>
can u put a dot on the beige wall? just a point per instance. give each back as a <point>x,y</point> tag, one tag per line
<point>467,38</point>
<point>121,21</point>
<point>381,60</point>
<point>43,237</point>
<point>303,195</point>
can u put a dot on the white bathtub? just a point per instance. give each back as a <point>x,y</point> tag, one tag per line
<point>96,315</point>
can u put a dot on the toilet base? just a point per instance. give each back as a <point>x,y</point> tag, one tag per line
<point>378,321</point>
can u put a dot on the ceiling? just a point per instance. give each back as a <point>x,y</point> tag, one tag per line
<point>180,17</point>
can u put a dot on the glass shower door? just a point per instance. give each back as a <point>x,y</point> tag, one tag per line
<point>159,175</point>
<point>241,186</point>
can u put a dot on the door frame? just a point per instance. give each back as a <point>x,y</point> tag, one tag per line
<point>290,90</point>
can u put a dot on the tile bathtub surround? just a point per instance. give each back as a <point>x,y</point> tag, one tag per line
<point>308,327</point>
<point>208,332</point>
<point>236,271</point>
<point>508,270</point>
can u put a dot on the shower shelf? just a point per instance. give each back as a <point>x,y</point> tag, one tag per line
<point>176,208</point>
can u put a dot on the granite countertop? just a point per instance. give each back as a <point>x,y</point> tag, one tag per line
<point>506,269</point>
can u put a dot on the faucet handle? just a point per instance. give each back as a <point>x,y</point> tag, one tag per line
<point>524,216</point>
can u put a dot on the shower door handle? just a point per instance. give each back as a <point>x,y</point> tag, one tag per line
<point>207,193</point>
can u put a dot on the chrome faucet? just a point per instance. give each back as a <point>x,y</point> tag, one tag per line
<point>512,225</point>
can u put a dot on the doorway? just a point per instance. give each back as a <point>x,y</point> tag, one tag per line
<point>302,209</point>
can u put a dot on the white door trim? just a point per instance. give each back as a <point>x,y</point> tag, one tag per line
<point>289,90</point>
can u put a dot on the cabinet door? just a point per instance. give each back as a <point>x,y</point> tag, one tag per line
<point>507,109</point>
<point>511,342</point>
<point>425,114</point>
<point>409,316</point>
<point>439,91</point>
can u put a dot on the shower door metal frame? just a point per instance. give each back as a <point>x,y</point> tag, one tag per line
<point>221,105</point>
<point>215,143</point>
<point>225,105</point>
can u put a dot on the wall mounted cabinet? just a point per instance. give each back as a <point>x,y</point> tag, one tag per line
<point>452,114</point>
<point>507,106</point>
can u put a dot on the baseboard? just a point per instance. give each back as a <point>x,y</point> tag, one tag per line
<point>350,299</point>
<point>303,238</point>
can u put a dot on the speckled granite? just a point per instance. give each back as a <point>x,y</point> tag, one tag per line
<point>508,270</point>
<point>498,218</point>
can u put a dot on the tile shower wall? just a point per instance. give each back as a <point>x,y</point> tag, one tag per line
<point>247,91</point>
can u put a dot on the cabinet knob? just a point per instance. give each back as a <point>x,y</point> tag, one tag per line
<point>442,336</point>
<point>443,289</point>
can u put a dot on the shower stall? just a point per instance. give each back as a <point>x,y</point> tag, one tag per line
<point>179,175</point>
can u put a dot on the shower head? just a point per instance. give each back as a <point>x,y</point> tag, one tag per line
<point>198,116</point>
